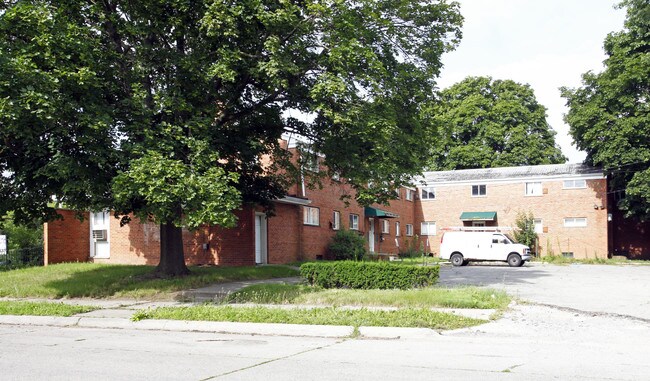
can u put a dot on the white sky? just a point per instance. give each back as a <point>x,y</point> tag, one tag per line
<point>545,43</point>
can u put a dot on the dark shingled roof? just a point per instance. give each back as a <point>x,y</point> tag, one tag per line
<point>560,170</point>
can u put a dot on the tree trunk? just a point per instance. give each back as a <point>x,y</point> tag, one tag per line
<point>172,259</point>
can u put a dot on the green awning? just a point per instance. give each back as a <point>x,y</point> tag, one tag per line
<point>374,212</point>
<point>478,216</point>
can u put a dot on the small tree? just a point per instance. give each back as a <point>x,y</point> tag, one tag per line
<point>525,232</point>
<point>347,245</point>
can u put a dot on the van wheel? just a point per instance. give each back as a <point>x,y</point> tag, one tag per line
<point>466,262</point>
<point>457,259</point>
<point>514,260</point>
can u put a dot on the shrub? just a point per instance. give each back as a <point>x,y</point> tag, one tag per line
<point>526,230</point>
<point>368,275</point>
<point>347,245</point>
<point>412,248</point>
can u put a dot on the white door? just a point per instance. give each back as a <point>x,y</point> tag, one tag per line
<point>260,238</point>
<point>100,246</point>
<point>371,235</point>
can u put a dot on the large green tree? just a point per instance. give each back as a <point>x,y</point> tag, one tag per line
<point>609,115</point>
<point>492,123</point>
<point>163,108</point>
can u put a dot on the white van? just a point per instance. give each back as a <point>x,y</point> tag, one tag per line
<point>461,247</point>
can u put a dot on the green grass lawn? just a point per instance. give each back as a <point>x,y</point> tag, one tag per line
<point>463,297</point>
<point>407,317</point>
<point>74,280</point>
<point>8,307</point>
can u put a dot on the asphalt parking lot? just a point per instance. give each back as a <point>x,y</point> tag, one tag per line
<point>600,289</point>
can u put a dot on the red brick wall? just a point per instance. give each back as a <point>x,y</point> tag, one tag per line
<point>507,199</point>
<point>284,234</point>
<point>66,240</point>
<point>139,243</point>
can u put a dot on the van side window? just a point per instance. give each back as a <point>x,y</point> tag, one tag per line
<point>498,239</point>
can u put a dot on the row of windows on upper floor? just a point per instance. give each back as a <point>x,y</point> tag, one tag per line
<point>311,216</point>
<point>428,228</point>
<point>533,188</point>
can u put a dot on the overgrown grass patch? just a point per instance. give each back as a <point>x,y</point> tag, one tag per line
<point>10,307</point>
<point>561,260</point>
<point>462,297</point>
<point>74,280</point>
<point>408,317</point>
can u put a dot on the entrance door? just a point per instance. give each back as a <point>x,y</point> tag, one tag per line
<point>371,235</point>
<point>260,239</point>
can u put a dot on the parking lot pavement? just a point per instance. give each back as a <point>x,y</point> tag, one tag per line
<point>599,289</point>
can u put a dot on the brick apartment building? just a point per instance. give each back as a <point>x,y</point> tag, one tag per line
<point>568,202</point>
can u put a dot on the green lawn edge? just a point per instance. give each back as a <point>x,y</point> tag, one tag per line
<point>406,317</point>
<point>21,308</point>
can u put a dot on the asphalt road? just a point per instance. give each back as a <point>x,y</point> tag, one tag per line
<point>583,338</point>
<point>620,290</point>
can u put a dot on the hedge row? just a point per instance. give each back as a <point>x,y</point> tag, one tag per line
<point>368,275</point>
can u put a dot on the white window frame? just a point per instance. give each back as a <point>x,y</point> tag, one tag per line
<point>385,227</point>
<point>398,193</point>
<point>538,224</point>
<point>310,161</point>
<point>336,220</point>
<point>533,188</point>
<point>428,228</point>
<point>478,190</point>
<point>409,195</point>
<point>428,193</point>
<point>575,222</point>
<point>397,232</point>
<point>409,230</point>
<point>354,221</point>
<point>311,216</point>
<point>574,184</point>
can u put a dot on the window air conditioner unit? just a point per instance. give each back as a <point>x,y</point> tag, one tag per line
<point>99,235</point>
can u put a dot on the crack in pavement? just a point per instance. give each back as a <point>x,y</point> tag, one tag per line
<point>589,313</point>
<point>273,360</point>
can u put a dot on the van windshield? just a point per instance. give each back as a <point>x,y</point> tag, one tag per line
<point>512,240</point>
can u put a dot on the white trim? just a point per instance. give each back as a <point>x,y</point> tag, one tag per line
<point>293,200</point>
<point>434,183</point>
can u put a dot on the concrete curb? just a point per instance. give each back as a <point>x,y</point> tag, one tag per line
<point>262,329</point>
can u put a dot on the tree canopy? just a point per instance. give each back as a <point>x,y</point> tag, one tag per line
<point>609,115</point>
<point>163,108</point>
<point>491,123</point>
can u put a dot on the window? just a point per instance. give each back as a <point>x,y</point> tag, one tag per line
<point>311,216</point>
<point>428,193</point>
<point>336,176</point>
<point>385,226</point>
<point>428,228</point>
<point>397,193</point>
<point>479,190</point>
<point>310,161</point>
<point>479,224</point>
<point>354,222</point>
<point>336,220</point>
<point>534,189</point>
<point>539,226</point>
<point>396,229</point>
<point>575,184</point>
<point>575,222</point>
<point>409,230</point>
<point>409,195</point>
